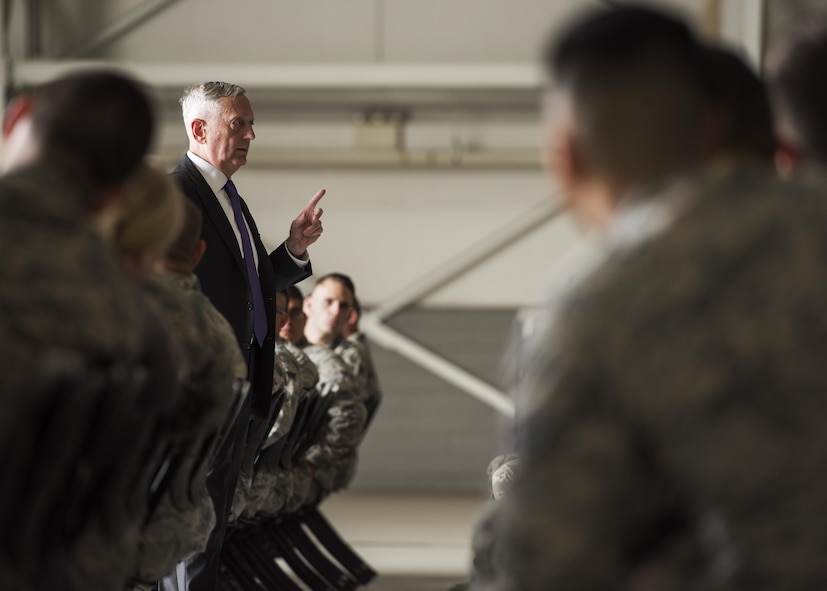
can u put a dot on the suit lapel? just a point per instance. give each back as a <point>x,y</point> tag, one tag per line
<point>215,212</point>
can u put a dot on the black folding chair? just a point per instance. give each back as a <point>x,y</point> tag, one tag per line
<point>77,444</point>
<point>310,520</point>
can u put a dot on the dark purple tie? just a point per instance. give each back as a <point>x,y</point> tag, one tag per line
<point>259,313</point>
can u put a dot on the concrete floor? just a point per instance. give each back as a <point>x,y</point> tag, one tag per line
<point>416,542</point>
<point>411,583</point>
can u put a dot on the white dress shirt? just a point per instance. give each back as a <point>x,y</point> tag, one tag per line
<point>216,181</point>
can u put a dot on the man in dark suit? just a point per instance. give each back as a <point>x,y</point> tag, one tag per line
<point>236,273</point>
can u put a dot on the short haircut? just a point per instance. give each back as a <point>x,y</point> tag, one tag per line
<point>293,293</point>
<point>638,85</point>
<point>99,123</point>
<point>742,100</point>
<point>282,293</point>
<point>183,248</point>
<point>199,100</point>
<point>339,278</point>
<point>357,305</point>
<point>794,68</point>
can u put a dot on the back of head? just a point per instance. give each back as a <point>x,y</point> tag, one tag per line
<point>794,68</point>
<point>182,252</point>
<point>743,106</point>
<point>150,214</point>
<point>97,123</point>
<point>637,85</point>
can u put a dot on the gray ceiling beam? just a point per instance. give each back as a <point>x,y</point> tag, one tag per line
<point>129,21</point>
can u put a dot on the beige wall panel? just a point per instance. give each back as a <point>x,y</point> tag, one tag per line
<point>389,228</point>
<point>470,30</point>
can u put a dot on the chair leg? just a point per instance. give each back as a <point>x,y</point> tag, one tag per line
<point>330,539</point>
<point>264,565</point>
<point>307,552</point>
<point>297,563</point>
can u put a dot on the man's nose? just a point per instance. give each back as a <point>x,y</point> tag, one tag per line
<point>251,133</point>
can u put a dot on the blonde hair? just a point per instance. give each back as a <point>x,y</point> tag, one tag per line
<point>149,216</point>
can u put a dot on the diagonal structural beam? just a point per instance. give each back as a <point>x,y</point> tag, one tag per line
<point>374,326</point>
<point>471,258</point>
<point>388,338</point>
<point>129,21</point>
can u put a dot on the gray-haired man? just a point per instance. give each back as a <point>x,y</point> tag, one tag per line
<point>237,273</point>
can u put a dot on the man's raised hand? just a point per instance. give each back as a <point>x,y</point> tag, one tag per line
<point>306,228</point>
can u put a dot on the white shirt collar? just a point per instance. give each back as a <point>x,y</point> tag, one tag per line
<point>648,212</point>
<point>214,177</point>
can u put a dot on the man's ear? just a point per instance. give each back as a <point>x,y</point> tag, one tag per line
<point>200,249</point>
<point>565,161</point>
<point>787,158</point>
<point>19,108</point>
<point>198,128</point>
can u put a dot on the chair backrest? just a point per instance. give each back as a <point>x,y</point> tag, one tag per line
<point>270,459</point>
<point>314,426</point>
<point>257,434</point>
<point>297,429</point>
<point>212,443</point>
<point>76,447</point>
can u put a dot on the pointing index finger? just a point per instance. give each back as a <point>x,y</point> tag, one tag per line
<point>313,202</point>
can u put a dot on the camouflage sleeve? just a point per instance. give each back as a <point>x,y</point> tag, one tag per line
<point>343,432</point>
<point>292,393</point>
<point>226,347</point>
<point>223,363</point>
<point>589,495</point>
<point>353,357</point>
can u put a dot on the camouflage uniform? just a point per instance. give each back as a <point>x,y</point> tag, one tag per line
<point>334,455</point>
<point>367,368</point>
<point>501,474</point>
<point>214,363</point>
<point>681,443</point>
<point>270,488</point>
<point>60,287</point>
<point>59,284</point>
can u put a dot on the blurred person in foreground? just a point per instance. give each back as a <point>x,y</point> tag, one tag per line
<point>678,440</point>
<point>66,155</point>
<point>156,233</point>
<point>741,133</point>
<point>794,68</point>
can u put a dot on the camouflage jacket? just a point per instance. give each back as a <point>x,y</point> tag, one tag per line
<point>62,288</point>
<point>60,285</point>
<point>680,443</point>
<point>179,528</point>
<point>271,485</point>
<point>213,360</point>
<point>355,351</point>
<point>334,453</point>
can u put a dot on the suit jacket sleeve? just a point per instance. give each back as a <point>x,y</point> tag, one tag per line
<point>287,272</point>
